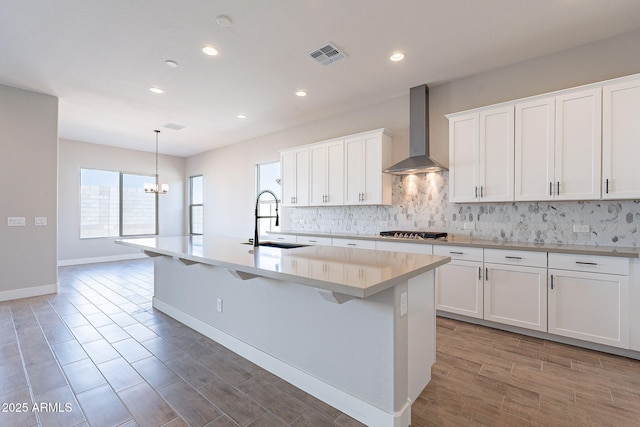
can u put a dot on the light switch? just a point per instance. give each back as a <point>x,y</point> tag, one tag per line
<point>40,220</point>
<point>16,221</point>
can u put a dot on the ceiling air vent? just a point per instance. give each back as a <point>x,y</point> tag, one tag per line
<point>327,54</point>
<point>174,126</point>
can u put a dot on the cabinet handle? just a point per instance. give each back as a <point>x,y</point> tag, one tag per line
<point>558,186</point>
<point>479,273</point>
<point>351,244</point>
<point>456,253</point>
<point>486,274</point>
<point>552,282</point>
<point>513,257</point>
<point>550,188</point>
<point>586,263</point>
<point>475,191</point>
<point>607,185</point>
<point>313,241</point>
<point>481,191</point>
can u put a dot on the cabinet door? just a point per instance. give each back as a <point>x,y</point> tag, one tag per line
<point>372,170</point>
<point>335,173</point>
<point>589,306</point>
<point>317,175</point>
<point>459,288</point>
<point>463,158</point>
<point>302,177</point>
<point>516,295</point>
<point>354,170</point>
<point>578,147</point>
<point>288,174</point>
<point>496,154</point>
<point>621,140</point>
<point>534,150</point>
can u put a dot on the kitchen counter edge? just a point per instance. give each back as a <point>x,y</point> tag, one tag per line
<point>623,252</point>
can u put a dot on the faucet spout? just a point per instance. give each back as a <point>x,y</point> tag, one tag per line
<point>256,242</point>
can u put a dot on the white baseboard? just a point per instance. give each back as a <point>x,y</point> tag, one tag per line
<point>34,291</point>
<point>344,402</point>
<point>111,258</point>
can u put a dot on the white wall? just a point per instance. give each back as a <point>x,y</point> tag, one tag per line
<point>603,60</point>
<point>28,153</point>
<point>229,171</point>
<point>75,155</point>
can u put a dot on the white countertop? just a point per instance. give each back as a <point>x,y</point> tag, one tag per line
<point>614,251</point>
<point>350,271</point>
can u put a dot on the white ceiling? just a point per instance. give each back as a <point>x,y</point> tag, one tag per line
<point>101,56</point>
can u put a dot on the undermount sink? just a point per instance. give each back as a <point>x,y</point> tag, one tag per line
<point>280,245</point>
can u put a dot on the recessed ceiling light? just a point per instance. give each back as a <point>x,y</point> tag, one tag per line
<point>170,63</point>
<point>241,116</point>
<point>210,50</point>
<point>156,89</point>
<point>301,93</point>
<point>397,56</point>
<point>224,21</point>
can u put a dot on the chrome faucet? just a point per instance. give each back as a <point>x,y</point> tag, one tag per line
<point>256,243</point>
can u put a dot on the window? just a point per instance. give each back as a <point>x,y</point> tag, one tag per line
<point>196,209</point>
<point>114,204</point>
<point>268,178</point>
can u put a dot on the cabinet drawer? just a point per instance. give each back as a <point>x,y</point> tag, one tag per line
<point>354,243</point>
<point>459,252</point>
<point>589,263</point>
<point>312,240</point>
<point>285,238</point>
<point>511,257</point>
<point>414,248</point>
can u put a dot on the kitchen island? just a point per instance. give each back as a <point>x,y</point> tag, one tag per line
<point>353,327</point>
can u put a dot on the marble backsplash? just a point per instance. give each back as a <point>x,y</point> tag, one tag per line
<point>420,202</point>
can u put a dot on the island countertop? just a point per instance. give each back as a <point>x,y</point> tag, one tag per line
<point>355,272</point>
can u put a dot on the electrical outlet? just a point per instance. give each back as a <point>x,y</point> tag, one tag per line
<point>16,221</point>
<point>40,220</point>
<point>403,304</point>
<point>580,228</point>
<point>469,225</point>
<point>219,305</point>
<point>384,223</point>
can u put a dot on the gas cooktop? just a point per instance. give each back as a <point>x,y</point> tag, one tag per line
<point>414,234</point>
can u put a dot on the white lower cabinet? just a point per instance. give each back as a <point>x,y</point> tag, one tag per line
<point>459,283</point>
<point>586,303</point>
<point>516,294</point>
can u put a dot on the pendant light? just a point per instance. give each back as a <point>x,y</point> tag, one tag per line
<point>156,188</point>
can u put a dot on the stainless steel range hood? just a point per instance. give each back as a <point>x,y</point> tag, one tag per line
<point>419,160</point>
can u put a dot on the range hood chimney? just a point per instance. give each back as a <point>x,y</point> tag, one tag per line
<point>419,160</point>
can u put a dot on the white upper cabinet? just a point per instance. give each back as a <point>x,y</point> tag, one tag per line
<point>578,150</point>
<point>294,166</point>
<point>463,158</point>
<point>366,155</point>
<point>534,149</point>
<point>481,156</point>
<point>558,147</point>
<point>621,140</point>
<point>496,154</point>
<point>341,171</point>
<point>327,171</point>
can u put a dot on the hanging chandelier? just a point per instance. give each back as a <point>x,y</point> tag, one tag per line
<point>156,188</point>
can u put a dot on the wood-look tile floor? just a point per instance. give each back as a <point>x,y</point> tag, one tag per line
<point>100,355</point>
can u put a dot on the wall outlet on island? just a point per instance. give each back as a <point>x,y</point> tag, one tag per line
<point>580,228</point>
<point>469,225</point>
<point>219,305</point>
